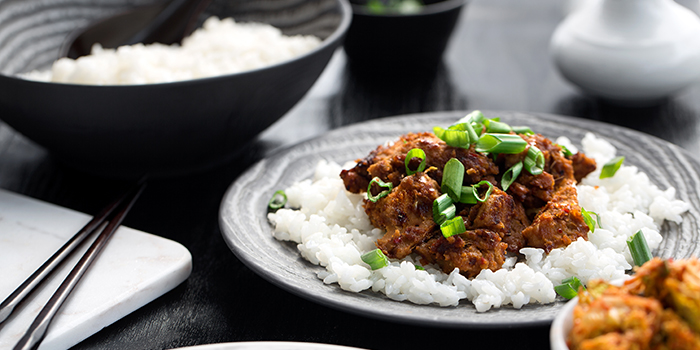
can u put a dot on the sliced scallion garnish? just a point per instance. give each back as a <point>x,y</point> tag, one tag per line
<point>534,161</point>
<point>566,291</point>
<point>443,209</point>
<point>566,151</point>
<point>569,287</point>
<point>588,219</point>
<point>452,177</point>
<point>574,282</point>
<point>511,175</point>
<point>415,153</point>
<point>500,143</point>
<point>488,191</point>
<point>476,120</point>
<point>278,200</point>
<point>524,130</point>
<point>468,196</point>
<point>611,167</point>
<point>497,127</point>
<point>469,128</point>
<point>453,136</point>
<point>639,249</point>
<point>473,117</point>
<point>387,185</point>
<point>453,227</point>
<point>375,259</point>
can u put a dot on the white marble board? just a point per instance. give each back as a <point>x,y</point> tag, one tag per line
<point>133,269</point>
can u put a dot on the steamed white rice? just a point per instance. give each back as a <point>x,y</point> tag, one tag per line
<point>219,47</point>
<point>333,231</point>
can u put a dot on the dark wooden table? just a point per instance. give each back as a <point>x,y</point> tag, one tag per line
<point>497,60</point>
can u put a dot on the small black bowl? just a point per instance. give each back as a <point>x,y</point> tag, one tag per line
<point>160,129</point>
<point>396,42</point>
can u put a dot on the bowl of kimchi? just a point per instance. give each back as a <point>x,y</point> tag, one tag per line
<point>657,308</point>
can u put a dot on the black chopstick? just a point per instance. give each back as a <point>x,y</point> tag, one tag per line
<point>9,304</point>
<point>37,331</point>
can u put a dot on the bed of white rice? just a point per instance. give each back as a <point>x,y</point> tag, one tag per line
<point>333,231</point>
<point>219,47</point>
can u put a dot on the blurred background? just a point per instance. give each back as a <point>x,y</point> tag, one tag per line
<point>497,59</point>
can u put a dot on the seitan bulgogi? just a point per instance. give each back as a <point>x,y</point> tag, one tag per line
<point>539,211</point>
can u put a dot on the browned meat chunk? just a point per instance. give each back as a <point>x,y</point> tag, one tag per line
<point>555,162</point>
<point>582,165</point>
<point>406,214</point>
<point>559,223</point>
<point>387,162</point>
<point>471,252</point>
<point>534,191</point>
<point>501,214</point>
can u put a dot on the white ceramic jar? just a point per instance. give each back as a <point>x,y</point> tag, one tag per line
<point>629,51</point>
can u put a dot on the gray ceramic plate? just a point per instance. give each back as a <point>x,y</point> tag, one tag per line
<point>248,233</point>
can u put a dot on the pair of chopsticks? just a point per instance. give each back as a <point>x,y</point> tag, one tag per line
<point>108,220</point>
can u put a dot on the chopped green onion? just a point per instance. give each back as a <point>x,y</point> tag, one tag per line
<point>455,137</point>
<point>278,200</point>
<point>418,267</point>
<point>534,161</point>
<point>639,249</point>
<point>473,117</point>
<point>469,128</point>
<point>574,282</point>
<point>611,167</point>
<point>488,192</point>
<point>566,291</point>
<point>453,227</point>
<point>452,177</point>
<point>388,185</point>
<point>497,127</point>
<point>567,152</point>
<point>415,153</point>
<point>588,219</point>
<point>468,196</point>
<point>524,130</point>
<point>500,143</point>
<point>511,175</point>
<point>375,259</point>
<point>569,287</point>
<point>476,120</point>
<point>443,209</point>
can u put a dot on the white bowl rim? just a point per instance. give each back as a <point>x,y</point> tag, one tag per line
<point>562,325</point>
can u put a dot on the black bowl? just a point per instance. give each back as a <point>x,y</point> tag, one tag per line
<point>160,129</point>
<point>400,42</point>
